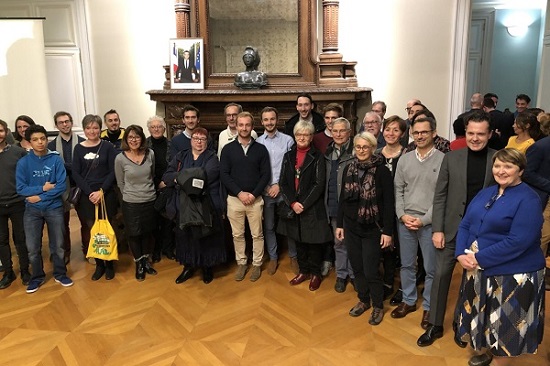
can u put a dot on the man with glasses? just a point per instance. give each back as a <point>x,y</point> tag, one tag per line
<point>415,181</point>
<point>372,123</point>
<point>64,144</point>
<point>231,111</point>
<point>245,171</point>
<point>338,155</point>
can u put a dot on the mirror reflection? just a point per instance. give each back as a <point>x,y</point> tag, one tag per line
<point>270,26</point>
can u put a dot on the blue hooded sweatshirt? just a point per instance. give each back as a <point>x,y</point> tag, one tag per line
<point>34,171</point>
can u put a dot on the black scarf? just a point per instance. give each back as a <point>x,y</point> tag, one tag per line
<point>359,186</point>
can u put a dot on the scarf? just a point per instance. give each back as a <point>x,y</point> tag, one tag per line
<point>359,186</point>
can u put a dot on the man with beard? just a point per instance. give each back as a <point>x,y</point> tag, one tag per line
<point>113,133</point>
<point>304,106</point>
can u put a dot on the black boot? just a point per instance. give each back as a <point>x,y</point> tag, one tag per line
<point>185,275</point>
<point>140,270</point>
<point>25,277</point>
<point>9,277</point>
<point>99,269</point>
<point>207,275</point>
<point>109,270</point>
<point>147,266</point>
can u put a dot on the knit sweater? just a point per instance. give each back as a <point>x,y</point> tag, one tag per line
<point>507,231</point>
<point>415,185</point>
<point>8,161</point>
<point>240,172</point>
<point>136,180</point>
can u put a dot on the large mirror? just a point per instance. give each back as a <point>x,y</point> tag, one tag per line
<point>270,26</point>
<point>284,32</point>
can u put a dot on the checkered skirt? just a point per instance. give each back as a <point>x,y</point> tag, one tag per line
<point>504,314</point>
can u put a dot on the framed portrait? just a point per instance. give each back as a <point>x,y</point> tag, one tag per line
<point>186,63</point>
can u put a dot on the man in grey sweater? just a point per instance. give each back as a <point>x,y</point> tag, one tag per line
<point>415,181</point>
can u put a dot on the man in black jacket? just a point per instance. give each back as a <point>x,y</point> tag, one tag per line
<point>304,106</point>
<point>245,171</point>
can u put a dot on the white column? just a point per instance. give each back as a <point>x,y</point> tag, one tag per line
<point>543,95</point>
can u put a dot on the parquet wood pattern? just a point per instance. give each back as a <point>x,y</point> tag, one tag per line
<point>156,322</point>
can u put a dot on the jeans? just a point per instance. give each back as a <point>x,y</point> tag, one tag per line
<point>13,212</point>
<point>270,206</point>
<point>341,262</point>
<point>408,249</point>
<point>34,220</point>
<point>237,213</point>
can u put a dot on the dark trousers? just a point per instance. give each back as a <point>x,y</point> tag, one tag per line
<point>13,212</point>
<point>310,258</point>
<point>364,255</point>
<point>141,246</point>
<point>164,236</point>
<point>444,266</point>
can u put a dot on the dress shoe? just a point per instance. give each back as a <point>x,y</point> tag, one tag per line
<point>430,335</point>
<point>315,282</point>
<point>241,272</point>
<point>207,275</point>
<point>140,271</point>
<point>397,298</point>
<point>9,277</point>
<point>148,268</point>
<point>402,310</point>
<point>425,323</point>
<point>340,285</point>
<point>359,309</point>
<point>459,342</point>
<point>185,275</point>
<point>376,316</point>
<point>156,257</point>
<point>301,277</point>
<point>481,360</point>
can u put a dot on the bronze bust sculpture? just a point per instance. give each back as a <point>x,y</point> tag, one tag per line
<point>251,78</point>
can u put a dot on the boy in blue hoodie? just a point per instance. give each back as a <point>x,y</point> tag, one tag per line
<point>40,178</point>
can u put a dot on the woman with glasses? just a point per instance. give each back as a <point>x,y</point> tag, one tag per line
<point>501,301</point>
<point>302,184</point>
<point>135,171</point>
<point>366,220</point>
<point>194,249</point>
<point>94,173</point>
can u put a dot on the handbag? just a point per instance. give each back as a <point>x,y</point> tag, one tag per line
<point>103,243</point>
<point>76,192</point>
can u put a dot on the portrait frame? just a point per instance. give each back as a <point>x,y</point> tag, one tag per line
<point>186,73</point>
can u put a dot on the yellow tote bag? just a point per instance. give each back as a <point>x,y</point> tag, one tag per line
<point>103,244</point>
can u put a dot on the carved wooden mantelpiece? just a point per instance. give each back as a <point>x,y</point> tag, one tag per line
<point>211,104</point>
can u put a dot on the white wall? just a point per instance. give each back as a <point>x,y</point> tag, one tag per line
<point>403,49</point>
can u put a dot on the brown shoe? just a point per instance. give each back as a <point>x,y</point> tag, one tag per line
<point>294,266</point>
<point>299,279</point>
<point>425,323</point>
<point>376,316</point>
<point>402,310</point>
<point>241,271</point>
<point>359,309</point>
<point>272,267</point>
<point>255,273</point>
<point>315,283</point>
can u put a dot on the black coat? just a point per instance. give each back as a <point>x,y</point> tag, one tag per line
<point>311,226</point>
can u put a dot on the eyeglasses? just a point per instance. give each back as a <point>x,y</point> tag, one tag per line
<point>370,123</point>
<point>338,132</point>
<point>421,133</point>
<point>134,138</point>
<point>64,122</point>
<point>302,135</point>
<point>156,127</point>
<point>362,148</point>
<point>199,139</point>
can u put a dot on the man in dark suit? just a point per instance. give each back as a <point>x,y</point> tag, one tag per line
<point>186,72</point>
<point>537,175</point>
<point>462,175</point>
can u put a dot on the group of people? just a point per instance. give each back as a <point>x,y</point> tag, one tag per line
<point>397,186</point>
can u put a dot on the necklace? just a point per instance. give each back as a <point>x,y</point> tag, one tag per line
<point>135,158</point>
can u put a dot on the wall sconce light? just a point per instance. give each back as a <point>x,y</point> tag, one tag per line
<point>517,30</point>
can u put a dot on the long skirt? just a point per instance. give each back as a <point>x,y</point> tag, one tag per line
<point>504,314</point>
<point>204,252</point>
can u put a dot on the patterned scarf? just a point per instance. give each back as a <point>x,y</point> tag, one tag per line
<point>359,186</point>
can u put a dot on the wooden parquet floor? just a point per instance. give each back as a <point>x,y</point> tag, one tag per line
<point>156,322</point>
